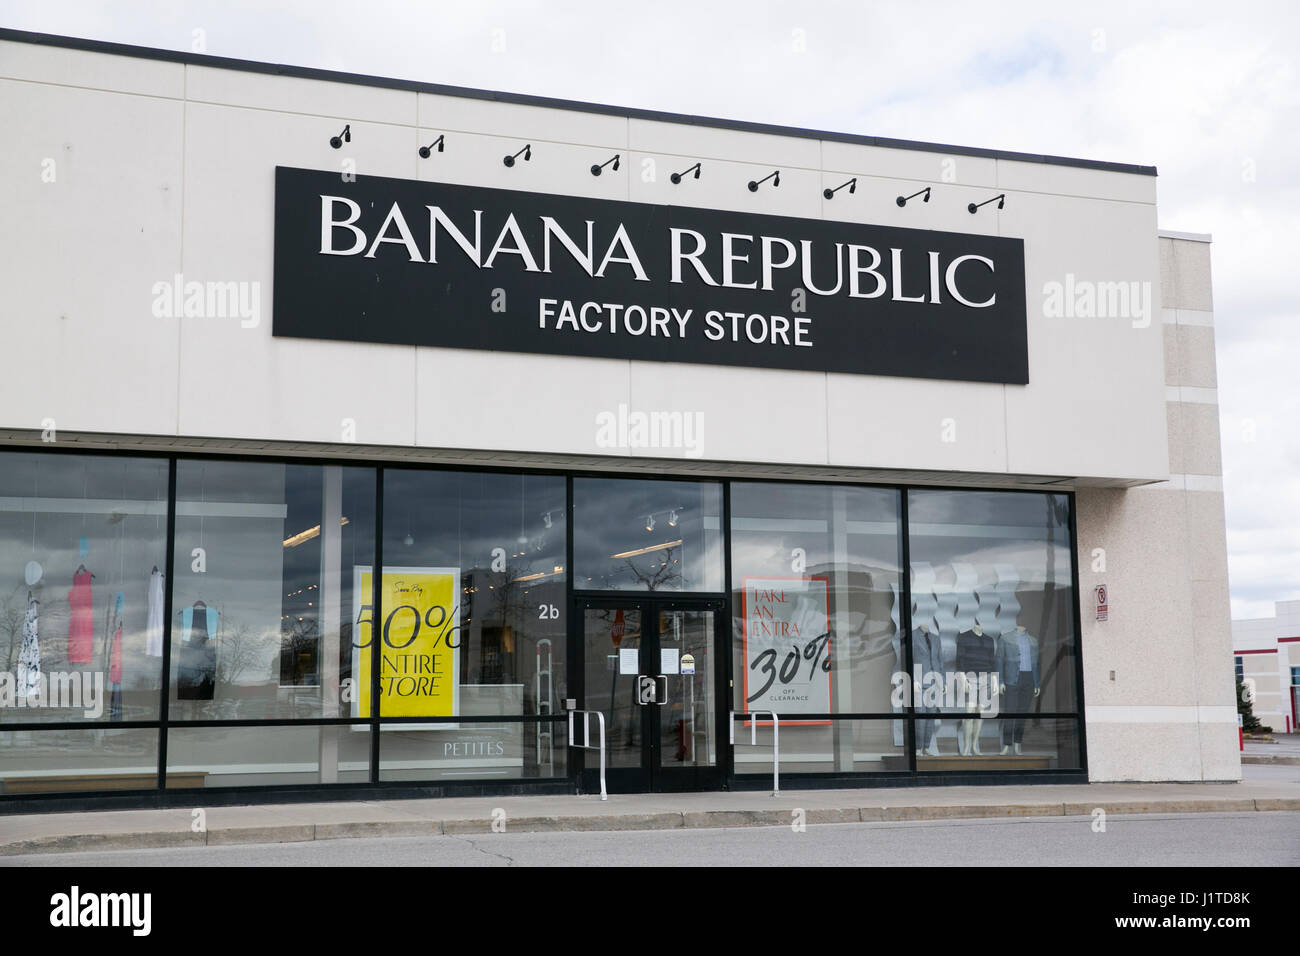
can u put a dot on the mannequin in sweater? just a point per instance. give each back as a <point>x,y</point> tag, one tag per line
<point>976,663</point>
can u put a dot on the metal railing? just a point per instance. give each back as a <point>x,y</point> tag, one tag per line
<point>586,740</point>
<point>753,740</point>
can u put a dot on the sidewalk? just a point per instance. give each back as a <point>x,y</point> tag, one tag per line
<point>288,823</point>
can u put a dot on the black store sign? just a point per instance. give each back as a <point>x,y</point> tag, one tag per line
<point>416,263</point>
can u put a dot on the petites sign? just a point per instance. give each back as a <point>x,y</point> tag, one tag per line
<point>1103,607</point>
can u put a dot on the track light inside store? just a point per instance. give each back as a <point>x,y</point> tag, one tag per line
<point>409,539</point>
<point>301,536</point>
<point>596,170</point>
<point>546,519</point>
<point>972,208</point>
<point>559,569</point>
<point>427,151</point>
<point>650,522</point>
<point>775,176</point>
<point>648,549</point>
<point>676,178</point>
<point>672,519</point>
<point>343,137</point>
<point>852,184</point>
<point>902,200</point>
<point>526,153</point>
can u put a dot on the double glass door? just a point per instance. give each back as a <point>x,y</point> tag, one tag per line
<point>651,667</point>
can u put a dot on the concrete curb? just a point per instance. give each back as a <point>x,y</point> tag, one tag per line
<point>967,812</point>
<point>1289,760</point>
<point>227,836</point>
<point>366,829</point>
<point>1282,803</point>
<point>692,819</point>
<point>561,824</point>
<point>88,842</point>
<point>1209,805</point>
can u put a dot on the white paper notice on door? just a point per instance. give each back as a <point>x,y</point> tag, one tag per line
<point>627,660</point>
<point>668,660</point>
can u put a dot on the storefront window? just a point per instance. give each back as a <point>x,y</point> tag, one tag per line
<point>83,544</point>
<point>993,620</point>
<point>474,609</point>
<point>829,747</point>
<point>504,750</point>
<point>816,575</point>
<point>642,535</point>
<point>96,758</point>
<point>274,617</point>
<point>473,595</point>
<point>815,623</point>
<point>267,756</point>
<point>264,595</point>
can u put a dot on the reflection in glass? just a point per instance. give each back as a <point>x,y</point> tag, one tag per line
<point>263,588</point>
<point>612,659</point>
<point>687,723</point>
<point>993,617</point>
<point>509,750</point>
<point>100,758</point>
<point>816,570</point>
<point>643,535</point>
<point>839,746</point>
<point>267,756</point>
<point>82,555</point>
<point>1046,743</point>
<point>473,598</point>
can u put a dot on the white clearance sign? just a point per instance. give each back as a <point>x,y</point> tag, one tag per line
<point>787,645</point>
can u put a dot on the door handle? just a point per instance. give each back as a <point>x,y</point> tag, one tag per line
<point>661,699</point>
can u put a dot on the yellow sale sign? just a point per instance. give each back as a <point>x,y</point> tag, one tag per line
<point>419,642</point>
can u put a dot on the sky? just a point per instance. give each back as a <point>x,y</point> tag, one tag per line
<point>1207,92</point>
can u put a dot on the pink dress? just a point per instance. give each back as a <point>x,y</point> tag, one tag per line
<point>80,626</point>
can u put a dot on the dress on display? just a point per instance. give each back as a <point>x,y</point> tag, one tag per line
<point>196,676</point>
<point>153,632</point>
<point>29,656</point>
<point>81,626</point>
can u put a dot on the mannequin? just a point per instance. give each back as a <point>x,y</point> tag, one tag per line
<point>927,658</point>
<point>976,661</point>
<point>1018,678</point>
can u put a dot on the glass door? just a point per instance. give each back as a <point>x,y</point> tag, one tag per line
<point>688,719</point>
<point>650,667</point>
<point>612,639</point>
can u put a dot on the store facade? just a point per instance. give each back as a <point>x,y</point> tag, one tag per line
<point>348,457</point>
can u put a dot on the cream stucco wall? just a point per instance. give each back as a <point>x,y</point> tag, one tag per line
<point>125,172</point>
<point>1160,703</point>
